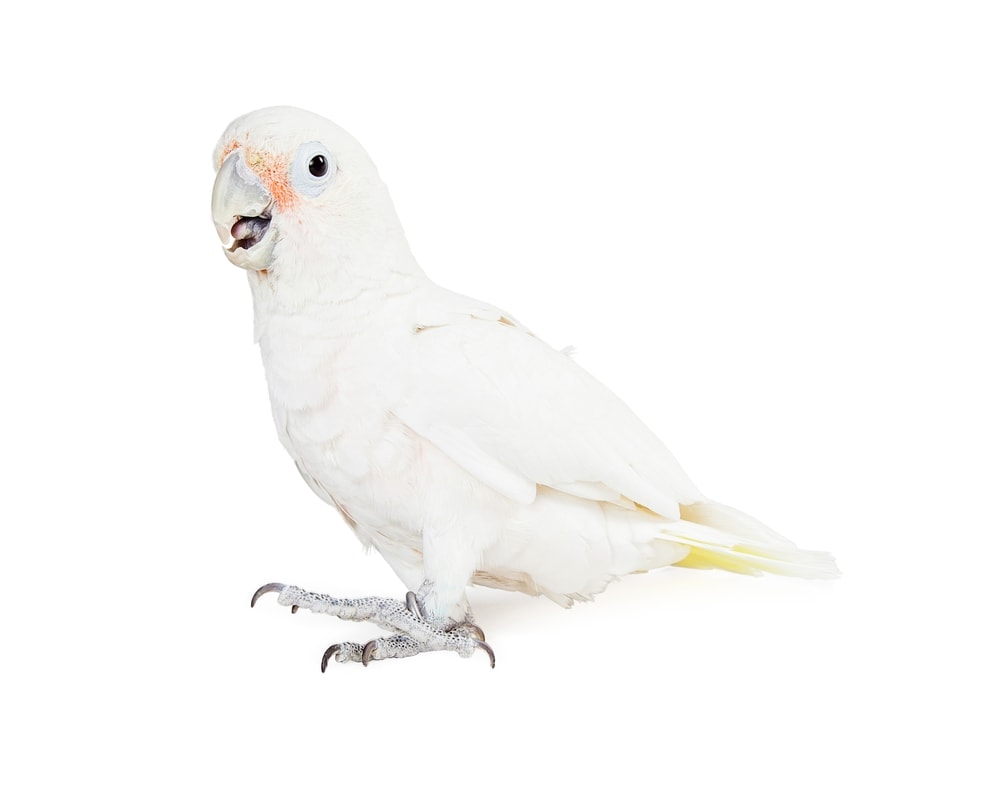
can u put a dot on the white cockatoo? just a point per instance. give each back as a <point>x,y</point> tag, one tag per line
<point>456,443</point>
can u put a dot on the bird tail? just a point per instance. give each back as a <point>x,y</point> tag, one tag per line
<point>722,537</point>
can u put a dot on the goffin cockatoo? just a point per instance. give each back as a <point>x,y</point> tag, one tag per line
<point>453,441</point>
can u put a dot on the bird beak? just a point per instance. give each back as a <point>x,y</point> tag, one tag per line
<point>241,209</point>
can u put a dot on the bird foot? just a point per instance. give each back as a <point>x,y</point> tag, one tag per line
<point>412,633</point>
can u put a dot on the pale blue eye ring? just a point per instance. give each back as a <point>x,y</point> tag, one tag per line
<point>313,169</point>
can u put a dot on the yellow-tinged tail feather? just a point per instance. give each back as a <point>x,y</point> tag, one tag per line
<point>722,537</point>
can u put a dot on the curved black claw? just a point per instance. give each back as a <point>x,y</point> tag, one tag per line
<point>488,649</point>
<point>332,650</point>
<point>413,605</point>
<point>294,609</point>
<point>267,587</point>
<point>368,652</point>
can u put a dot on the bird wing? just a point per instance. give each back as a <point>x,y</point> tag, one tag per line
<point>515,413</point>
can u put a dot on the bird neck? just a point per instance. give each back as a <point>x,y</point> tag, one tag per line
<point>331,270</point>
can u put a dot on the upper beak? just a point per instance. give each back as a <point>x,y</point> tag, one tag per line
<point>241,210</point>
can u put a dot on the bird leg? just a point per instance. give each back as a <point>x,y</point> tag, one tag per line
<point>411,632</point>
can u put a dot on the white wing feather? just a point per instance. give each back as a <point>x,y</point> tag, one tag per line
<point>516,413</point>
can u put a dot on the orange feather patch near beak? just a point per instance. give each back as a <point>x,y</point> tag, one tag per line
<point>272,171</point>
<point>231,145</point>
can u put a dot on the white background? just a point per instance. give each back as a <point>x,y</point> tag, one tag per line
<point>773,231</point>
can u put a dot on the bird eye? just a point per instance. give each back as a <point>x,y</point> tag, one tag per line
<point>313,169</point>
<point>318,166</point>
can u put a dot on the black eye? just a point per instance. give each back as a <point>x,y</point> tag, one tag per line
<point>318,166</point>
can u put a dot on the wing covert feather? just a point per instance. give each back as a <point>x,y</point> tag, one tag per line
<point>516,413</point>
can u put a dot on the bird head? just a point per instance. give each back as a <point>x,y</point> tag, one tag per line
<point>293,191</point>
